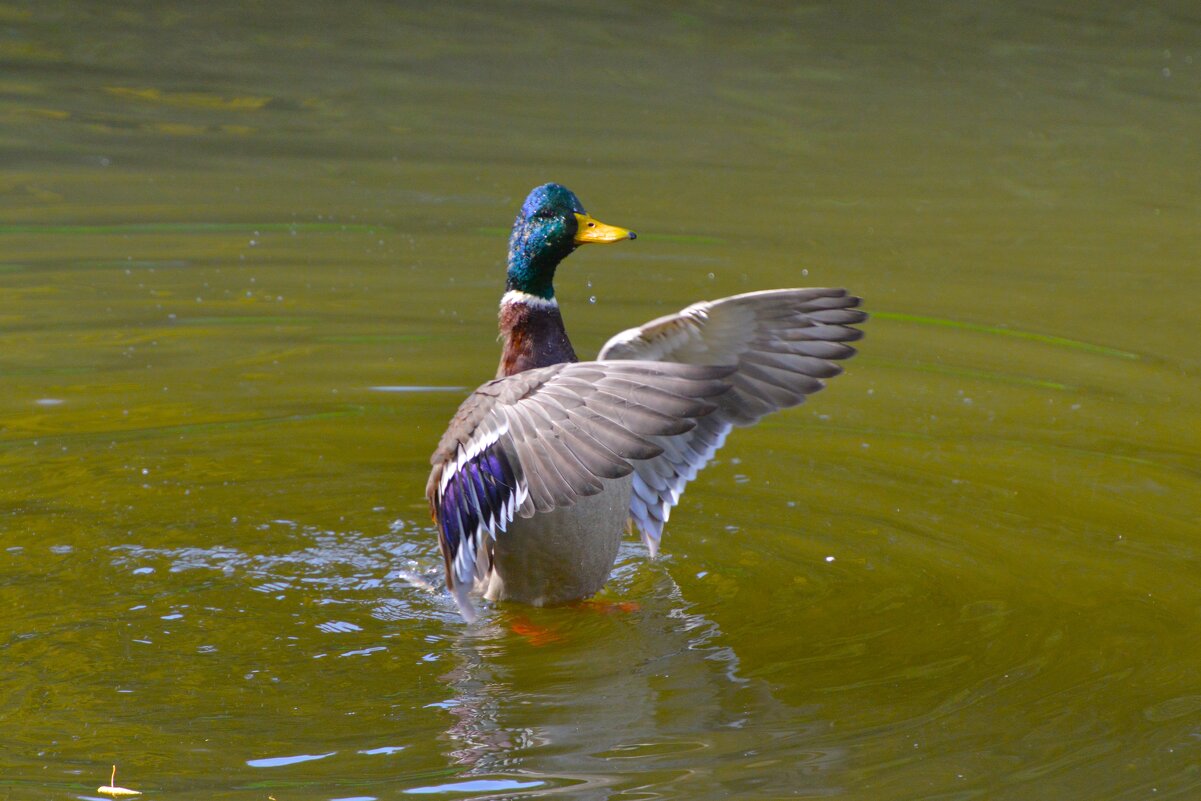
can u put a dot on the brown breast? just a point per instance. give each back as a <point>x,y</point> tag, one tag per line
<point>533,336</point>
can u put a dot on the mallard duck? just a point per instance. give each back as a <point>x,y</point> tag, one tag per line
<point>542,468</point>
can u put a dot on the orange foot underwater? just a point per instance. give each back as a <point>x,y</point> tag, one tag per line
<point>538,634</point>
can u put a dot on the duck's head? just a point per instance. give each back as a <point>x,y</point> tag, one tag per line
<point>551,224</point>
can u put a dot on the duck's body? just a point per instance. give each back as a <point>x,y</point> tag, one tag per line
<point>542,468</point>
<point>563,554</point>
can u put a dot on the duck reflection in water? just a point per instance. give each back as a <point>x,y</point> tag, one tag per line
<point>601,697</point>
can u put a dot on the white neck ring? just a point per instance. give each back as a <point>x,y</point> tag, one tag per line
<point>517,296</point>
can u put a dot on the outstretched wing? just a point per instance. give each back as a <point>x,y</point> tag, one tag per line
<point>781,344</point>
<point>544,438</point>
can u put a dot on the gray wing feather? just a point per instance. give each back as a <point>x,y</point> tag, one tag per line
<point>781,344</point>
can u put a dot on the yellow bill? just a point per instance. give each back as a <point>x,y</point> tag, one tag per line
<point>594,232</point>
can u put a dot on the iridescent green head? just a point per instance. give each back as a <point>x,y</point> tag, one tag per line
<point>551,224</point>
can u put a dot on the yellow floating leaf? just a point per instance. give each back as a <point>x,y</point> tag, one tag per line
<point>203,100</point>
<point>113,790</point>
<point>116,792</point>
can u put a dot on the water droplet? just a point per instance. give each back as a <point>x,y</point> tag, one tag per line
<point>592,298</point>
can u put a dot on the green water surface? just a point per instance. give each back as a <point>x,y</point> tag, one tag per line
<point>249,262</point>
